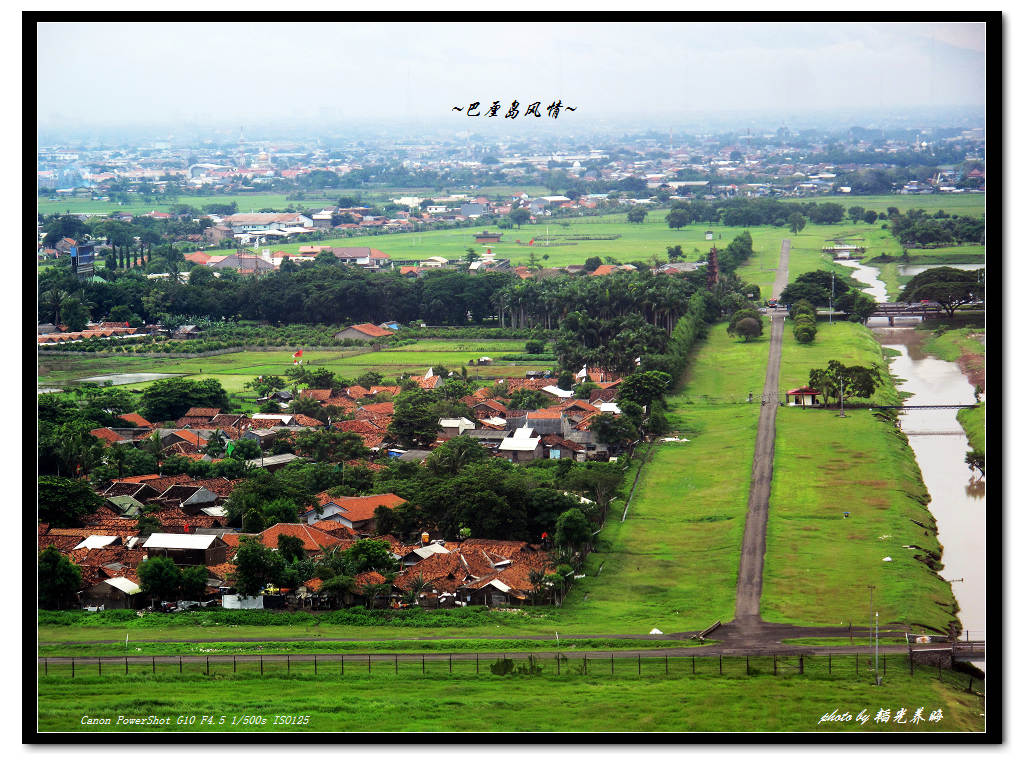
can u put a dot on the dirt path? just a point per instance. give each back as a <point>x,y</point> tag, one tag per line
<point>748,583</point>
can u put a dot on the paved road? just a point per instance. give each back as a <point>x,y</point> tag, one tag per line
<point>748,583</point>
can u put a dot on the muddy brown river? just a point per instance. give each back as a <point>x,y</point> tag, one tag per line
<point>940,444</point>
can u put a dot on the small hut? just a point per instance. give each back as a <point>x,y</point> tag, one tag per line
<point>805,396</point>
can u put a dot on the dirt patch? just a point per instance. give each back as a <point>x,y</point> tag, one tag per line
<point>973,366</point>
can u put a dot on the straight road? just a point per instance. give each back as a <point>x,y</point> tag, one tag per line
<point>748,583</point>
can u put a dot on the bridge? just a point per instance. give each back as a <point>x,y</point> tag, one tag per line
<point>923,406</point>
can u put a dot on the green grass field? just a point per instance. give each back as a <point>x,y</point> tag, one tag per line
<point>257,200</point>
<point>434,699</point>
<point>234,370</point>
<point>818,563</point>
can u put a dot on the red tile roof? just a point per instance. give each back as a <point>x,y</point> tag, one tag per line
<point>545,414</point>
<point>305,420</point>
<point>194,439</point>
<point>360,508</point>
<point>205,412</point>
<point>311,537</point>
<point>372,330</point>
<point>136,419</point>
<point>320,394</point>
<point>380,408</point>
<point>105,434</point>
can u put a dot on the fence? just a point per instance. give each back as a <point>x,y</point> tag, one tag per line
<point>650,665</point>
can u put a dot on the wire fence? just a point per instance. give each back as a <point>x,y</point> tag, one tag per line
<point>600,664</point>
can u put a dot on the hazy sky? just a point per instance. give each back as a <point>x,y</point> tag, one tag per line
<point>238,73</point>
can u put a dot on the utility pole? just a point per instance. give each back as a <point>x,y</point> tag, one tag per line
<point>878,678</point>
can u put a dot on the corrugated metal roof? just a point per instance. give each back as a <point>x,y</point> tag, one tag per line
<point>96,541</point>
<point>170,540</point>
<point>123,584</point>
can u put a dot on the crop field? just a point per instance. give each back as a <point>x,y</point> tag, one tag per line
<point>824,466</point>
<point>672,695</point>
<point>235,369</point>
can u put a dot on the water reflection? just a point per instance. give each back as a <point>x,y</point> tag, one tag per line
<point>869,276</point>
<point>909,271</point>
<point>975,488</point>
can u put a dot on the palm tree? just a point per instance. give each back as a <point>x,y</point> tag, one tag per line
<point>537,581</point>
<point>416,586</point>
<point>52,300</point>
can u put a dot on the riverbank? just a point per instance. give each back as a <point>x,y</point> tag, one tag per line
<point>820,562</point>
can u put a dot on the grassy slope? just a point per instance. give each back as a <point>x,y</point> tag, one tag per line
<point>464,701</point>
<point>818,563</point>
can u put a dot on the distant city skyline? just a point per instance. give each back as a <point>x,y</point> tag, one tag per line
<point>272,76</point>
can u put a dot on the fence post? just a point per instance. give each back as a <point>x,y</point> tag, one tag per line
<point>857,664</point>
<point>72,667</point>
<point>478,663</point>
<point>584,663</point>
<point>970,683</point>
<point>234,664</point>
<point>450,664</point>
<point>719,664</point>
<point>314,664</point>
<point>748,664</point>
<point>207,665</point>
<point>613,664</point>
<point>638,666</point>
<point>396,664</point>
<point>423,664</point>
<point>154,664</point>
<point>693,665</point>
<point>558,664</point>
<point>288,658</point>
<point>99,666</point>
<point>46,667</point>
<point>801,664</point>
<point>343,664</point>
<point>666,663</point>
<point>126,664</point>
<point>830,662</point>
<point>261,664</point>
<point>775,664</point>
<point>180,671</point>
<point>369,670</point>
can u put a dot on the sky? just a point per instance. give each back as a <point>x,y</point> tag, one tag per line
<point>272,73</point>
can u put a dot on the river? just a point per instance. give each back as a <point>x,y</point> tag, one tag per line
<point>940,444</point>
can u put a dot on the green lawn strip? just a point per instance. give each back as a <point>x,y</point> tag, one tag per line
<point>431,698</point>
<point>973,422</point>
<point>725,369</point>
<point>817,562</point>
<point>952,343</point>
<point>397,646</point>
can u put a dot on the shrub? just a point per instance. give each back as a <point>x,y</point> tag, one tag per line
<point>805,332</point>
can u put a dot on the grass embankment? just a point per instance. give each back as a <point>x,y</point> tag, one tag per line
<point>818,563</point>
<point>432,699</point>
<point>966,345</point>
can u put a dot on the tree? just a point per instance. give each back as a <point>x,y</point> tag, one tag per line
<point>797,223</point>
<point>949,287</point>
<point>414,423</point>
<point>193,583</point>
<point>534,347</point>
<point>645,387</point>
<point>519,216</point>
<point>572,530</point>
<point>256,567</point>
<point>265,385</point>
<point>527,399</point>
<point>870,216</point>
<point>853,380</point>
<point>976,460</point>
<point>171,398</point>
<point>805,332</point>
<point>59,579</point>
<point>290,548</point>
<point>369,555</point>
<point>146,524</point>
<point>592,263</point>
<point>160,578</point>
<point>455,454</point>
<point>751,331</point>
<point>596,481</point>
<point>255,495</point>
<point>65,502</point>
<point>678,218</point>
<point>748,328</point>
<point>636,214</point>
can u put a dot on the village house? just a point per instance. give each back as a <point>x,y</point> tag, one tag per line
<point>355,513</point>
<point>370,332</point>
<point>187,550</point>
